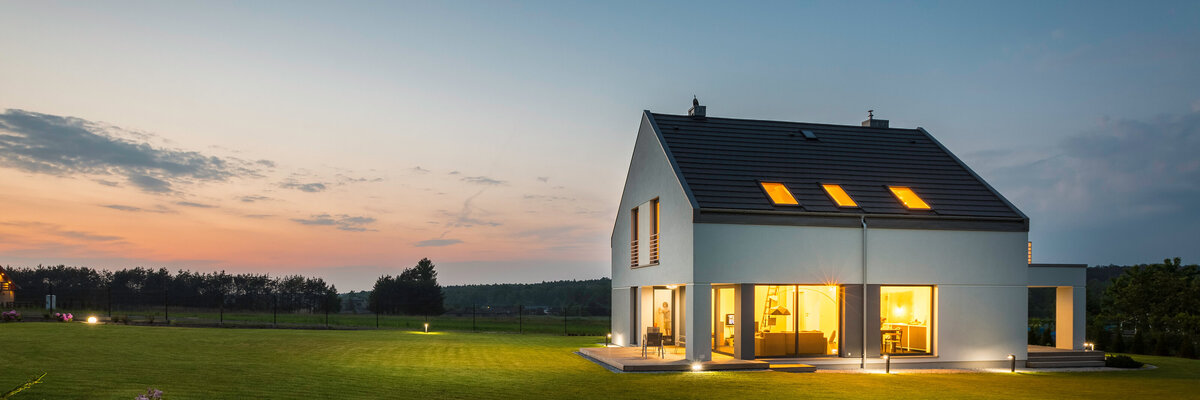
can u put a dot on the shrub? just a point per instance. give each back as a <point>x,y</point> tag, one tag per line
<point>1119,342</point>
<point>1102,336</point>
<point>1047,336</point>
<point>10,316</point>
<point>1139,343</point>
<point>64,317</point>
<point>1187,347</point>
<point>1121,361</point>
<point>1160,345</point>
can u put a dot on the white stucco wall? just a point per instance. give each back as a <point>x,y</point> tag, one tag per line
<point>650,176</point>
<point>981,277</point>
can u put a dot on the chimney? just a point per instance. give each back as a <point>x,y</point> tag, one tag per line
<point>871,122</point>
<point>697,110</point>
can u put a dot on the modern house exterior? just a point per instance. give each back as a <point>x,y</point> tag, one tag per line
<point>837,244</point>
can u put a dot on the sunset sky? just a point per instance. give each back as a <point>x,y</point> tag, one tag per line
<point>350,140</point>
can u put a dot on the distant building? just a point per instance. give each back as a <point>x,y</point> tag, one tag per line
<point>834,243</point>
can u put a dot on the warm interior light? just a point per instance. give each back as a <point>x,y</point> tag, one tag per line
<point>899,312</point>
<point>92,320</point>
<point>908,198</point>
<point>671,287</point>
<point>839,195</point>
<point>779,194</point>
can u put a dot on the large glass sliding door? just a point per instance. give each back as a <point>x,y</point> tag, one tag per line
<point>724,316</point>
<point>795,320</point>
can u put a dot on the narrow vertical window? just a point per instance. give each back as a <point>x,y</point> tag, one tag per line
<point>633,243</point>
<point>655,208</point>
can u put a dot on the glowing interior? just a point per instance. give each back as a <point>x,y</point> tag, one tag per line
<point>909,198</point>
<point>779,194</point>
<point>839,196</point>
<point>905,314</point>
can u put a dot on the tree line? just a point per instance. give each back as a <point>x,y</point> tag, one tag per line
<point>91,288</point>
<point>592,297</point>
<point>415,291</point>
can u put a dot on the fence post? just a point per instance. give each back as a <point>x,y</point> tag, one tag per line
<point>472,317</point>
<point>110,301</point>
<point>222,306</point>
<point>566,308</point>
<point>166,306</point>
<point>275,309</point>
<point>520,319</point>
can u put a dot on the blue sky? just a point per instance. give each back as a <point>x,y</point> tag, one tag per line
<point>354,139</point>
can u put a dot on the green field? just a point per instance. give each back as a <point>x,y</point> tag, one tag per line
<point>549,324</point>
<point>119,362</point>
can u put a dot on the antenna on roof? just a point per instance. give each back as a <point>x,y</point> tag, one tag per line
<point>870,114</point>
<point>874,123</point>
<point>697,110</point>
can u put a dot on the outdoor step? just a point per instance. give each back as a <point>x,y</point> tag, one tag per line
<point>793,368</point>
<point>1063,364</point>
<point>1068,358</point>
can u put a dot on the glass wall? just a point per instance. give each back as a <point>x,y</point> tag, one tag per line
<point>794,320</point>
<point>724,316</point>
<point>664,313</point>
<point>906,319</point>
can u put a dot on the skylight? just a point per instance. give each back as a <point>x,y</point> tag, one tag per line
<point>779,194</point>
<point>839,196</point>
<point>909,198</point>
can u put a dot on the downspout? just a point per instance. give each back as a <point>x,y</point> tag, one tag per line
<point>862,363</point>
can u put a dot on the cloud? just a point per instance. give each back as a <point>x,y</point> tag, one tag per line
<point>258,216</point>
<point>251,199</point>
<point>304,187</point>
<point>419,170</point>
<point>119,207</point>
<point>66,146</point>
<point>456,172</point>
<point>468,216</point>
<point>343,222</point>
<point>437,242</point>
<point>195,205</point>
<point>266,163</point>
<point>58,230</point>
<point>482,180</point>
<point>1122,169</point>
<point>108,183</point>
<point>543,178</point>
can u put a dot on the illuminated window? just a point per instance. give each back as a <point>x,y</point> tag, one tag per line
<point>906,319</point>
<point>655,208</point>
<point>779,194</point>
<point>633,243</point>
<point>908,198</point>
<point>839,196</point>
<point>795,320</point>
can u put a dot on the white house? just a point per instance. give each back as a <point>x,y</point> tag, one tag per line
<point>754,239</point>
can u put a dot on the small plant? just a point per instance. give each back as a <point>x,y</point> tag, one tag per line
<point>151,394</point>
<point>28,384</point>
<point>1121,361</point>
<point>10,316</point>
<point>63,317</point>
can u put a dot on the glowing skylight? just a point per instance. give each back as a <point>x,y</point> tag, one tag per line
<point>909,198</point>
<point>779,194</point>
<point>839,196</point>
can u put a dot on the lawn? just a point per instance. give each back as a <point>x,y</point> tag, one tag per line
<point>117,361</point>
<point>550,324</point>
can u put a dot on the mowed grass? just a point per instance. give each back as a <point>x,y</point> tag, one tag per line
<point>118,362</point>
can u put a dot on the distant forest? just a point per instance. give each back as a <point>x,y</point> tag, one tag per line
<point>592,297</point>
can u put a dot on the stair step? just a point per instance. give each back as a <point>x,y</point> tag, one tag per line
<point>1063,364</point>
<point>793,368</point>
<point>1068,358</point>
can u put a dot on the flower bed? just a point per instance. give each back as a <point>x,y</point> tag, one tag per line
<point>63,317</point>
<point>10,316</point>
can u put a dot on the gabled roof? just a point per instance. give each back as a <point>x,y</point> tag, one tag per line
<point>721,162</point>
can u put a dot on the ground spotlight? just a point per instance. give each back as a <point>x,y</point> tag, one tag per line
<point>887,364</point>
<point>426,327</point>
<point>696,366</point>
<point>1012,363</point>
<point>92,320</point>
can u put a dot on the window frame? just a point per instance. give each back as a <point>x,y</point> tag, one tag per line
<point>763,188</point>
<point>834,199</point>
